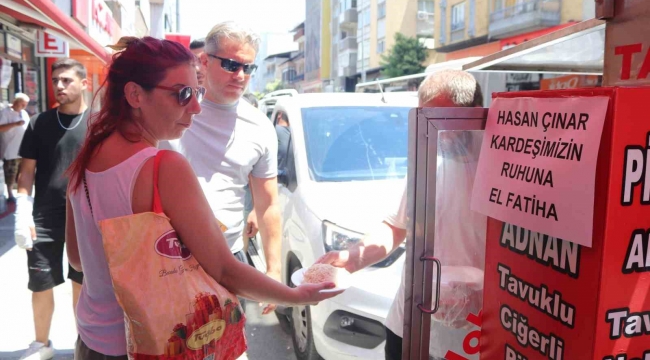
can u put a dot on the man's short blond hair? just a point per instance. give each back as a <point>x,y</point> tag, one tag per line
<point>458,86</point>
<point>22,97</point>
<point>232,31</point>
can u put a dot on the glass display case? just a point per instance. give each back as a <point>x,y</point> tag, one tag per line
<point>446,240</point>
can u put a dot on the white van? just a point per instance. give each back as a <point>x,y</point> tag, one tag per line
<point>344,174</point>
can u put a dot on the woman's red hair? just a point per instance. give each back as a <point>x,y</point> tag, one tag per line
<point>142,61</point>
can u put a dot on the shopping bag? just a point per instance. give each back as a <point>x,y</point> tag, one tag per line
<point>172,308</point>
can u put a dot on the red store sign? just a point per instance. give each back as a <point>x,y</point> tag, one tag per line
<point>96,18</point>
<point>102,15</point>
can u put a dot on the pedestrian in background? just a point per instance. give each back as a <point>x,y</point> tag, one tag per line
<point>13,123</point>
<point>232,145</point>
<point>283,132</point>
<point>196,47</point>
<point>251,99</point>
<point>460,232</point>
<point>152,94</point>
<point>50,144</point>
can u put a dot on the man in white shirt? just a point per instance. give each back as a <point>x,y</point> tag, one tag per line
<point>13,123</point>
<point>462,245</point>
<point>232,144</point>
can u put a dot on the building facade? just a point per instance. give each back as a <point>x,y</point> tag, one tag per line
<point>270,44</point>
<point>465,24</point>
<point>469,28</point>
<point>298,60</point>
<point>364,30</point>
<point>292,70</point>
<point>318,42</point>
<point>165,17</point>
<point>272,68</point>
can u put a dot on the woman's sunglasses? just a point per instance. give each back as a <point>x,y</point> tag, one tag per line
<point>232,65</point>
<point>185,93</point>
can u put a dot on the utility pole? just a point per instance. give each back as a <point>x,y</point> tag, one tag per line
<point>363,42</point>
<point>178,16</point>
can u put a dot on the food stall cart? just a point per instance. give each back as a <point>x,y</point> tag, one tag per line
<point>567,240</point>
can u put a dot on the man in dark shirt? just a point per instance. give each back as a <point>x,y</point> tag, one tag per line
<point>283,132</point>
<point>50,144</point>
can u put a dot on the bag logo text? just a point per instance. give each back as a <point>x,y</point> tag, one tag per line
<point>207,333</point>
<point>169,245</point>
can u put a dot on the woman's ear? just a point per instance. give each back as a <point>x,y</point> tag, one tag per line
<point>133,94</point>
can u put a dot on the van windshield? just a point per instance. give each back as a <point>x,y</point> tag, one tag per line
<point>356,143</point>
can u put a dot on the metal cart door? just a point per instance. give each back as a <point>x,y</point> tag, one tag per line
<point>432,131</point>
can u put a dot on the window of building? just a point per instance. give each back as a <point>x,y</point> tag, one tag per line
<point>347,4</point>
<point>458,16</point>
<point>426,6</point>
<point>366,16</point>
<point>381,35</point>
<point>381,28</point>
<point>381,46</point>
<point>381,10</point>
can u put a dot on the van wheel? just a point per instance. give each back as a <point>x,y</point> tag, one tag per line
<point>301,331</point>
<point>285,322</point>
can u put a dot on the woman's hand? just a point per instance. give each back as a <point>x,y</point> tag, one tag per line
<point>309,294</point>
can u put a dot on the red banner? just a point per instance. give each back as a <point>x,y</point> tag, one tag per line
<point>179,38</point>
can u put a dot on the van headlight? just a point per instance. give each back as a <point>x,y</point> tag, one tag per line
<point>337,238</point>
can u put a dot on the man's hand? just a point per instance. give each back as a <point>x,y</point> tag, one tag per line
<point>342,259</point>
<point>19,123</point>
<point>251,226</point>
<point>269,308</point>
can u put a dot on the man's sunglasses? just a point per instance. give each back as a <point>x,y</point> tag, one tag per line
<point>232,65</point>
<point>185,93</point>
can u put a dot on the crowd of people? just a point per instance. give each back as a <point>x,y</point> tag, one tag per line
<point>219,158</point>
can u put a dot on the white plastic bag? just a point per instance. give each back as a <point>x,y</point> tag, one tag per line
<point>24,221</point>
<point>461,294</point>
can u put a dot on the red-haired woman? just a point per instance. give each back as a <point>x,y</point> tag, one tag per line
<point>151,94</point>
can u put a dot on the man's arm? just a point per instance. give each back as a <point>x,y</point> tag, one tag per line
<point>25,232</point>
<point>7,127</point>
<point>265,193</point>
<point>251,222</point>
<point>375,247</point>
<point>26,176</point>
<point>72,248</point>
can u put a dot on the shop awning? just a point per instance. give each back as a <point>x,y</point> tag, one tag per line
<point>45,13</point>
<point>577,49</point>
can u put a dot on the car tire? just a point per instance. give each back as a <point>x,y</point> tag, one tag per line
<point>301,329</point>
<point>285,322</point>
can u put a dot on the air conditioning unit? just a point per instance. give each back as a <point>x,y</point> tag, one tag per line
<point>428,43</point>
<point>422,15</point>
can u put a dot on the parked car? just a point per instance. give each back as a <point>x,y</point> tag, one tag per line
<point>267,103</point>
<point>343,176</point>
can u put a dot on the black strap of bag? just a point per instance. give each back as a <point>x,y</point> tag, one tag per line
<point>88,197</point>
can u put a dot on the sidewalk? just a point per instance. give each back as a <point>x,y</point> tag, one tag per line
<point>17,329</point>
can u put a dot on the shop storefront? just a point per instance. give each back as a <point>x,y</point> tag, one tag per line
<point>19,70</point>
<point>80,32</point>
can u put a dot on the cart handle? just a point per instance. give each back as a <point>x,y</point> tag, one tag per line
<point>438,271</point>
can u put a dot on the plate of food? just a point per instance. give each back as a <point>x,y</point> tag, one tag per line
<point>320,273</point>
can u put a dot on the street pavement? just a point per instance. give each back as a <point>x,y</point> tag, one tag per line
<point>266,339</point>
